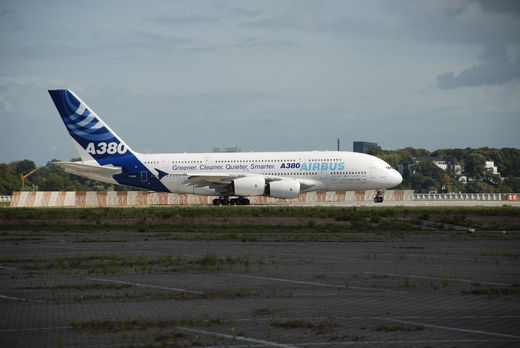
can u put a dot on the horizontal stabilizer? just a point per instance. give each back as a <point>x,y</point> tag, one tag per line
<point>89,168</point>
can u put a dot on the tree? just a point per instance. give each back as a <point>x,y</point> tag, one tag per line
<point>429,184</point>
<point>393,158</point>
<point>25,166</point>
<point>474,165</point>
<point>9,179</point>
<point>429,169</point>
<point>514,184</point>
<point>479,186</point>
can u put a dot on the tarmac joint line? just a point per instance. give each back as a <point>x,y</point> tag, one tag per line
<point>23,299</point>
<point>434,278</point>
<point>239,338</point>
<point>144,285</point>
<point>37,329</point>
<point>451,328</point>
<point>341,286</point>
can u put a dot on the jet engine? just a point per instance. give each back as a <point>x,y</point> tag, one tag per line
<point>249,186</point>
<point>286,188</point>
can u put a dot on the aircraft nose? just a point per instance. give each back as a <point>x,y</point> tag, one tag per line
<point>395,178</point>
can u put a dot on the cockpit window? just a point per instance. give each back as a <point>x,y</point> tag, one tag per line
<point>388,167</point>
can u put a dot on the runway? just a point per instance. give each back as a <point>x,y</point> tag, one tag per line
<point>122,288</point>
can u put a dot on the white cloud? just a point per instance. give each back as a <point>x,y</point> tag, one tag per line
<point>37,82</point>
<point>5,105</point>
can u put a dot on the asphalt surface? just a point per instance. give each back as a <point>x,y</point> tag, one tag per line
<point>410,290</point>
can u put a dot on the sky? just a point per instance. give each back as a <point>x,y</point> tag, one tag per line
<point>188,76</point>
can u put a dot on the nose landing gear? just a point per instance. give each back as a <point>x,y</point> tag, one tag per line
<point>379,196</point>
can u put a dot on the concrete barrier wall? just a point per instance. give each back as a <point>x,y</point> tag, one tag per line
<point>5,198</point>
<point>466,196</point>
<point>142,198</point>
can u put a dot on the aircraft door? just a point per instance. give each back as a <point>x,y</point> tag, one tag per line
<point>144,176</point>
<point>372,172</point>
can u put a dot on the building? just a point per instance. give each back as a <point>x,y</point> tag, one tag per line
<point>454,166</point>
<point>491,168</point>
<point>363,146</point>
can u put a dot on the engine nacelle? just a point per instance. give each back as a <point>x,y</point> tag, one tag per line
<point>249,186</point>
<point>285,188</point>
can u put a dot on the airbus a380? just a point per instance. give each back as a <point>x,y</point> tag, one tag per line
<point>230,176</point>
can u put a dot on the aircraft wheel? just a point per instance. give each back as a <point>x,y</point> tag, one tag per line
<point>234,201</point>
<point>225,201</point>
<point>242,201</point>
<point>216,201</point>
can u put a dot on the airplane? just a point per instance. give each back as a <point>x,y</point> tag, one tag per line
<point>232,177</point>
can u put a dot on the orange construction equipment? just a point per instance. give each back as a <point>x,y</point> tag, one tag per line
<point>26,175</point>
<point>446,186</point>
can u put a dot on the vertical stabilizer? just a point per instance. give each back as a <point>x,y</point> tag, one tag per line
<point>92,137</point>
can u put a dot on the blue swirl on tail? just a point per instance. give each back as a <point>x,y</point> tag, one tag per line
<point>83,124</point>
<point>101,143</point>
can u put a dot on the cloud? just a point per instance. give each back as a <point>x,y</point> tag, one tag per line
<point>243,12</point>
<point>182,20</point>
<point>250,42</point>
<point>494,68</point>
<point>35,82</point>
<point>440,21</point>
<point>445,21</point>
<point>5,105</point>
<point>302,16</point>
<point>246,43</point>
<point>4,12</point>
<point>500,6</point>
<point>140,41</point>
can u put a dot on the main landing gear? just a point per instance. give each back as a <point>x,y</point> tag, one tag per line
<point>233,201</point>
<point>379,196</point>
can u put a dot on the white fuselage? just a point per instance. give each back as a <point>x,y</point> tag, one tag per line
<point>316,170</point>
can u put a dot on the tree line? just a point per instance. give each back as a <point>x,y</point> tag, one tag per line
<point>422,177</point>
<point>48,178</point>
<point>426,176</point>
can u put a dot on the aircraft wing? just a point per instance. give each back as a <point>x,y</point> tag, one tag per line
<point>89,168</point>
<point>211,179</point>
<point>214,180</point>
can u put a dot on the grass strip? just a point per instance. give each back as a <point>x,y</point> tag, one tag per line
<point>114,263</point>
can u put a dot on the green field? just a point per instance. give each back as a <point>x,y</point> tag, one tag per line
<point>272,223</point>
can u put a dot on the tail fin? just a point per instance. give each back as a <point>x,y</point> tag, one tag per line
<point>92,137</point>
